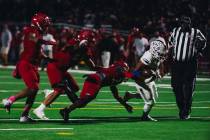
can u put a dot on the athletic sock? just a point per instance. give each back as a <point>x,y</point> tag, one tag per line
<point>147,108</point>
<point>11,99</point>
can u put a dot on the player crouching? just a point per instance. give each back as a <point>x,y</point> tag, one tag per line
<point>146,72</point>
<point>111,77</point>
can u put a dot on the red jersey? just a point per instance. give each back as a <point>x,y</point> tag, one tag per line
<point>113,75</point>
<point>32,50</point>
<point>64,59</point>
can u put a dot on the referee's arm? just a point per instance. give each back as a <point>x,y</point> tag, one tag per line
<point>200,43</point>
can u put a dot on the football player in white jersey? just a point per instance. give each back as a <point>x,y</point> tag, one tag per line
<point>145,73</point>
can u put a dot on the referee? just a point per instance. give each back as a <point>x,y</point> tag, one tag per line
<point>187,44</point>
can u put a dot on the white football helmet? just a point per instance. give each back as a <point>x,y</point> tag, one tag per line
<point>158,49</point>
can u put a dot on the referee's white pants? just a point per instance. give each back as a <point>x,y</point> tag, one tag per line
<point>105,57</point>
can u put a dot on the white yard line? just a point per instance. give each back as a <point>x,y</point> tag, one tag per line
<point>33,129</point>
<point>108,118</point>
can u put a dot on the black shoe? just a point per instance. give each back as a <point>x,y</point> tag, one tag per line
<point>148,118</point>
<point>185,117</point>
<point>65,114</point>
<point>129,108</point>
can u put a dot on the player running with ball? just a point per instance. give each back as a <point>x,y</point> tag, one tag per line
<point>145,74</point>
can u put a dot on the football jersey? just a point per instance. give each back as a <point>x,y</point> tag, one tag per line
<point>150,61</point>
<point>32,50</point>
<point>112,75</point>
<point>62,59</point>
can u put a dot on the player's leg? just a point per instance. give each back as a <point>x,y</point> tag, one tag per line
<point>9,101</point>
<point>90,89</point>
<point>30,76</point>
<point>148,93</point>
<point>39,111</point>
<point>29,103</point>
<point>71,87</point>
<point>128,95</point>
<point>55,77</point>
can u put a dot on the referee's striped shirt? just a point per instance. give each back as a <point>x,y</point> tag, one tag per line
<point>183,43</point>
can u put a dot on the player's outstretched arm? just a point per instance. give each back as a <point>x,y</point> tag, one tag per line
<point>120,100</point>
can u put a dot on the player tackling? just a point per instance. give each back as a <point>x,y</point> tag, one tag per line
<point>111,77</point>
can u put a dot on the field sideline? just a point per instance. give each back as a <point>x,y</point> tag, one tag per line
<point>104,118</point>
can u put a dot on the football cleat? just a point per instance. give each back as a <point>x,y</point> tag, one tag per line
<point>129,108</point>
<point>40,114</point>
<point>65,114</point>
<point>148,118</point>
<point>26,119</point>
<point>7,105</point>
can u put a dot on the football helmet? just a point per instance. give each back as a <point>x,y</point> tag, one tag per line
<point>122,64</point>
<point>158,49</point>
<point>86,35</point>
<point>41,21</point>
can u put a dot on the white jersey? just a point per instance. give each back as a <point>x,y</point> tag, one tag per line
<point>48,37</point>
<point>150,61</point>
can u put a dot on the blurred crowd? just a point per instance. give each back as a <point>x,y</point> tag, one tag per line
<point>120,14</point>
<point>112,22</point>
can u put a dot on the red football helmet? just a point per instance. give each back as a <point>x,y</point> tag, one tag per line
<point>122,64</point>
<point>41,21</point>
<point>86,35</point>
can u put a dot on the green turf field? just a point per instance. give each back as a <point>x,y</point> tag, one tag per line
<point>104,118</point>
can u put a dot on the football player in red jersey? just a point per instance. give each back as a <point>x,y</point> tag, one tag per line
<point>111,77</point>
<point>64,58</point>
<point>27,67</point>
